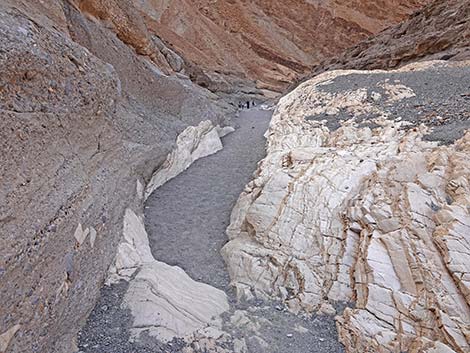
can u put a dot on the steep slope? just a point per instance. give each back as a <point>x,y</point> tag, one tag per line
<point>79,130</point>
<point>270,42</point>
<point>439,31</point>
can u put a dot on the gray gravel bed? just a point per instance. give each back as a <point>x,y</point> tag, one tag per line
<point>442,100</point>
<point>186,218</point>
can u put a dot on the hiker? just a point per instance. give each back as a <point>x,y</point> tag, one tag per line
<point>248,104</point>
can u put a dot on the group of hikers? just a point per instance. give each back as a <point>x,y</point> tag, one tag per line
<point>246,105</point>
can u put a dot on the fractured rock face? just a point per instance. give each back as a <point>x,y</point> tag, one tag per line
<point>167,303</point>
<point>353,204</point>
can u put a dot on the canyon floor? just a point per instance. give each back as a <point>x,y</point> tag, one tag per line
<point>131,220</point>
<point>186,220</point>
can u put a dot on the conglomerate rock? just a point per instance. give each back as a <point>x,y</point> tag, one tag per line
<point>355,203</point>
<point>83,121</point>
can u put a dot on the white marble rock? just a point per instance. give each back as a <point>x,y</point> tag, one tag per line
<point>378,217</point>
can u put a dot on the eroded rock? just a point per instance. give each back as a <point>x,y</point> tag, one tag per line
<point>193,143</point>
<point>164,301</point>
<point>438,31</point>
<point>351,204</point>
<point>7,336</point>
<point>82,117</point>
<point>225,45</point>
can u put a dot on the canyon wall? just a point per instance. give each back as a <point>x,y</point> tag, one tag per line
<point>361,208</point>
<point>440,31</point>
<point>269,42</point>
<point>84,121</point>
<point>93,94</point>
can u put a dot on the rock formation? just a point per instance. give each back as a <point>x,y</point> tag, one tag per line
<point>193,143</point>
<point>95,94</point>
<point>164,301</point>
<point>360,200</point>
<point>440,31</point>
<point>266,41</point>
<point>82,123</point>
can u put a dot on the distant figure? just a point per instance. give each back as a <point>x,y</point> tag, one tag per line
<point>248,104</point>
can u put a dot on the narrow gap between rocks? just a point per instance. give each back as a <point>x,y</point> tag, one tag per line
<point>186,219</point>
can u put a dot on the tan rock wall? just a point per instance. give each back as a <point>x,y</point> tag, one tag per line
<point>271,42</point>
<point>439,31</point>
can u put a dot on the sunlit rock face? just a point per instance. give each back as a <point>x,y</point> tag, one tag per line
<point>230,46</point>
<point>358,201</point>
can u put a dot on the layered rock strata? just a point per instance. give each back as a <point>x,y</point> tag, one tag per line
<point>359,201</point>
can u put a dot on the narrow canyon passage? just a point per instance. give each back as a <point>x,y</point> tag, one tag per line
<point>142,210</point>
<point>186,218</point>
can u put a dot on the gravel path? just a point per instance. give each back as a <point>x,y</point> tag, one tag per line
<point>186,220</point>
